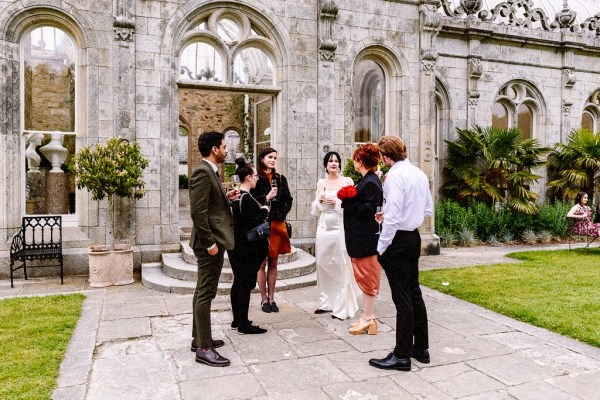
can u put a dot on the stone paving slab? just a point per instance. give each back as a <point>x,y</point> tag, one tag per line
<point>133,343</point>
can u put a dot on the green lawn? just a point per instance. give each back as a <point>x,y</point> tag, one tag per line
<point>34,333</point>
<point>556,290</point>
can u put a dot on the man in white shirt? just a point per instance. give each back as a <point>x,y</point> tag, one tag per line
<point>407,201</point>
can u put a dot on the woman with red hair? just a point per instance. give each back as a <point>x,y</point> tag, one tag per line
<point>361,234</point>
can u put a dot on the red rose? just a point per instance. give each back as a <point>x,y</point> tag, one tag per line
<point>347,192</point>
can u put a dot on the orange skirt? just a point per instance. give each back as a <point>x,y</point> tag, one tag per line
<point>279,242</point>
<point>367,272</point>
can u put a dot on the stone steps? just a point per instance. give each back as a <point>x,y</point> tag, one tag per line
<point>178,275</point>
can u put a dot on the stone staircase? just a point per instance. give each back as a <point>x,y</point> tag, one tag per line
<point>177,272</point>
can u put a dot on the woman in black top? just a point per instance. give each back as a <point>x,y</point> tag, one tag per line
<point>269,181</point>
<point>360,230</point>
<point>247,256</point>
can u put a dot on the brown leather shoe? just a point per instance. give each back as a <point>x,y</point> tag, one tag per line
<point>215,344</point>
<point>211,357</point>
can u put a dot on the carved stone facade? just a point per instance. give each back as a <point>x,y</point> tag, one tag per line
<point>444,64</point>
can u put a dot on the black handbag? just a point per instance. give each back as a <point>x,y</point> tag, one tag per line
<point>260,231</point>
<point>288,227</point>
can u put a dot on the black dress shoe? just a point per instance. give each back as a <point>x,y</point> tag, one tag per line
<point>251,330</point>
<point>321,311</point>
<point>391,362</point>
<point>266,307</point>
<point>274,307</point>
<point>421,356</point>
<point>215,344</point>
<point>212,358</point>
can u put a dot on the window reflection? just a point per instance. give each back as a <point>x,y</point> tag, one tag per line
<point>253,66</point>
<point>200,61</point>
<point>49,59</point>
<point>49,80</point>
<point>369,89</point>
<point>228,30</point>
<point>525,121</point>
<point>499,116</point>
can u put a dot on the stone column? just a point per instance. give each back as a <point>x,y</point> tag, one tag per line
<point>124,79</point>
<point>11,168</point>
<point>326,82</point>
<point>431,24</point>
<point>568,81</point>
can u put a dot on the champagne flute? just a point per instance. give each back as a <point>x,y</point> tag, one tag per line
<point>379,217</point>
<point>235,182</point>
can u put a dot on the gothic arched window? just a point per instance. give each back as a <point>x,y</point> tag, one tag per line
<point>517,104</point>
<point>591,113</point>
<point>369,90</point>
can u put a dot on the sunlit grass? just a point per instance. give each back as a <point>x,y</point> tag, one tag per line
<point>34,333</point>
<point>556,290</point>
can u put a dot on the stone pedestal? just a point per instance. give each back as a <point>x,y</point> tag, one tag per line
<point>36,190</point>
<point>57,193</point>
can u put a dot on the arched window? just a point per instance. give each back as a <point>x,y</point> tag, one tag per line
<point>48,93</point>
<point>253,66</point>
<point>225,46</point>
<point>369,90</point>
<point>591,113</point>
<point>517,105</point>
<point>525,120</point>
<point>200,61</point>
<point>499,116</point>
<point>442,132</point>
<point>228,71</point>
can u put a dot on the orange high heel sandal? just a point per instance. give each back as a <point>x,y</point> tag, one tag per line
<point>359,328</point>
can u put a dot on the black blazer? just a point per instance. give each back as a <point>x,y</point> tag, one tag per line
<point>360,227</point>
<point>281,204</point>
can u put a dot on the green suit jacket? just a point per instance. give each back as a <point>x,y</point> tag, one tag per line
<point>210,210</point>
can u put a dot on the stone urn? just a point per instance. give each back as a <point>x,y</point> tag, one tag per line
<point>55,152</point>
<point>108,267</point>
<point>101,266</point>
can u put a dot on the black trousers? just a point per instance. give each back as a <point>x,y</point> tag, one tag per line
<point>245,260</point>
<point>400,262</point>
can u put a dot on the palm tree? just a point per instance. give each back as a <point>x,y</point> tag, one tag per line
<point>493,165</point>
<point>575,166</point>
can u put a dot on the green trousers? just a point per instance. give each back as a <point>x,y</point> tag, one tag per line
<point>209,270</point>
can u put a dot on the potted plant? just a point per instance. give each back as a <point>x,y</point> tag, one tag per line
<point>113,171</point>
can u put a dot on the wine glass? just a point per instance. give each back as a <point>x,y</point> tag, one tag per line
<point>235,182</point>
<point>273,183</point>
<point>379,217</point>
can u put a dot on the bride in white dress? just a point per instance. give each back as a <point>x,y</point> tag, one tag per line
<point>335,278</point>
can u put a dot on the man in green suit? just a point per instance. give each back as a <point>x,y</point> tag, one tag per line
<point>212,234</point>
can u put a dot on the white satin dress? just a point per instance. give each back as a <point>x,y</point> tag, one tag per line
<point>335,279</point>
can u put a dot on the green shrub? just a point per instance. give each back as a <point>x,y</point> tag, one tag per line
<point>499,222</point>
<point>184,181</point>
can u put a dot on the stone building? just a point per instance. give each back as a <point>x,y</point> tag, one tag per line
<point>304,76</point>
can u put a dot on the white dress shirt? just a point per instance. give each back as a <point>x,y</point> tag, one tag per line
<point>407,201</point>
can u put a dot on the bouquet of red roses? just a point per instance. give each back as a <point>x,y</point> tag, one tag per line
<point>347,192</point>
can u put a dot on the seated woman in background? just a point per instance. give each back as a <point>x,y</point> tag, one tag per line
<point>583,214</point>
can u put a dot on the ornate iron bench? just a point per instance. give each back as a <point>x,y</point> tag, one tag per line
<point>572,236</point>
<point>40,238</point>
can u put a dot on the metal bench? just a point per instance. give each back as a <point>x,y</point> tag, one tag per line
<point>40,238</point>
<point>572,236</point>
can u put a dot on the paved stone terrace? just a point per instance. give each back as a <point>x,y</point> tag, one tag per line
<point>133,343</point>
